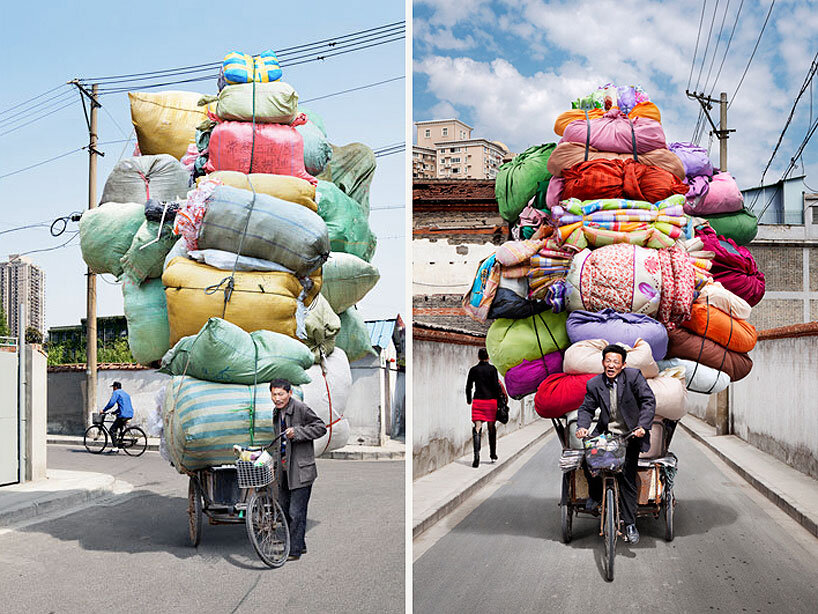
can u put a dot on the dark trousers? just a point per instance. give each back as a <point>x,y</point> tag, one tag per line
<point>628,493</point>
<point>294,503</point>
<point>116,425</point>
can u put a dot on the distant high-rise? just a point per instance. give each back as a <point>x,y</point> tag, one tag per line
<point>445,149</point>
<point>22,281</point>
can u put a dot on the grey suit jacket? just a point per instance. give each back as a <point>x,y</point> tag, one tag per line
<point>300,458</point>
<point>634,399</point>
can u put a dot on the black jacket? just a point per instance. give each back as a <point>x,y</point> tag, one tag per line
<point>635,401</point>
<point>483,376</point>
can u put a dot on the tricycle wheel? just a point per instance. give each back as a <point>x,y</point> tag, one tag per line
<point>267,529</point>
<point>565,509</point>
<point>669,502</point>
<point>609,533</point>
<point>194,511</point>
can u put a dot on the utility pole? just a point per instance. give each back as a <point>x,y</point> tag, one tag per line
<point>722,414</point>
<point>91,286</point>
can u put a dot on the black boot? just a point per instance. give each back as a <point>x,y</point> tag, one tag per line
<point>493,443</point>
<point>475,436</point>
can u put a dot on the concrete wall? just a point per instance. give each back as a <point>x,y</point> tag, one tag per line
<point>66,396</point>
<point>774,407</point>
<point>441,418</point>
<point>364,404</point>
<point>440,267</point>
<point>36,412</point>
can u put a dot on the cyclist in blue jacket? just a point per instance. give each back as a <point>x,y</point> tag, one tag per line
<point>123,412</point>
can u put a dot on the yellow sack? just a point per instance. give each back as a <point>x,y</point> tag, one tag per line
<point>260,300</point>
<point>165,122</point>
<point>285,187</point>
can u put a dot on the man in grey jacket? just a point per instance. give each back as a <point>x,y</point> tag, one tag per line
<point>626,403</point>
<point>300,426</point>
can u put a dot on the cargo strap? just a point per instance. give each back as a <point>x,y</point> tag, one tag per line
<point>633,140</point>
<point>539,345</point>
<point>587,134</point>
<point>701,348</point>
<point>147,184</point>
<point>329,402</point>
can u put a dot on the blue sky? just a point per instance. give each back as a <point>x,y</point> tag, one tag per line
<point>509,67</point>
<point>59,41</point>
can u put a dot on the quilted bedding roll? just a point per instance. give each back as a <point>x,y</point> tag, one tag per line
<point>620,179</point>
<point>684,344</point>
<point>712,323</point>
<point>566,155</point>
<point>560,393</point>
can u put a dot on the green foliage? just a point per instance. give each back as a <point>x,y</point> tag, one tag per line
<point>33,335</point>
<point>63,354</point>
<point>4,327</point>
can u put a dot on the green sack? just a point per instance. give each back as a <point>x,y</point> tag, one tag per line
<point>509,342</point>
<point>354,337</point>
<point>204,420</point>
<point>106,233</point>
<point>317,150</point>
<point>276,102</point>
<point>223,352</point>
<point>352,169</point>
<point>346,280</point>
<point>517,180</point>
<point>347,222</point>
<point>322,325</point>
<point>315,119</point>
<point>146,312</point>
<point>741,226</point>
<point>139,264</point>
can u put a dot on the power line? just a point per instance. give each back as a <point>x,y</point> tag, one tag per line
<point>707,46</point>
<point>50,249</point>
<point>696,50</point>
<point>353,89</point>
<point>68,153</point>
<point>718,41</point>
<point>38,106</point>
<point>20,104</point>
<point>36,119</point>
<point>726,49</point>
<point>752,55</point>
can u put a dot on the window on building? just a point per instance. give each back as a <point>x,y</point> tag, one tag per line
<point>454,149</point>
<point>455,170</point>
<point>455,159</point>
<point>445,132</point>
<point>462,134</point>
<point>428,133</point>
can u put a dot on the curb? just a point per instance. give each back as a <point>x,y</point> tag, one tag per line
<point>37,509</point>
<point>367,456</point>
<point>77,441</point>
<point>454,502</point>
<point>759,484</point>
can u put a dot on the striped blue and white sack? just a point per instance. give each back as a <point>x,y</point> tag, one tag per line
<point>239,67</point>
<point>204,420</point>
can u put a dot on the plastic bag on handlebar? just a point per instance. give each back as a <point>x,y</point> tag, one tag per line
<point>604,452</point>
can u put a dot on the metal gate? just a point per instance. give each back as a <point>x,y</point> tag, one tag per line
<point>9,413</point>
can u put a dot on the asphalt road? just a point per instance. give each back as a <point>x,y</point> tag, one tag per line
<point>733,552</point>
<point>130,553</point>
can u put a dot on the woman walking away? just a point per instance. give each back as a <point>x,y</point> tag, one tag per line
<point>487,391</point>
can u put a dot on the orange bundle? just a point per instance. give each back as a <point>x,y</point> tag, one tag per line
<point>643,109</point>
<point>711,323</point>
<point>566,155</point>
<point>620,179</point>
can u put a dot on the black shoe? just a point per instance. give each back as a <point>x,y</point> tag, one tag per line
<point>631,534</point>
<point>475,435</point>
<point>293,557</point>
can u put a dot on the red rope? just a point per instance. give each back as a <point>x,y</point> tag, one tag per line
<point>329,400</point>
<point>147,185</point>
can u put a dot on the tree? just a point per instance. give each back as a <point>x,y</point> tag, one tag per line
<point>33,335</point>
<point>4,327</point>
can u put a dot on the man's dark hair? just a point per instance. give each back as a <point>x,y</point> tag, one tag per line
<point>116,385</point>
<point>615,349</point>
<point>280,383</point>
<point>482,354</point>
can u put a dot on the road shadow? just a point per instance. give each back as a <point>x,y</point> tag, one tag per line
<point>144,521</point>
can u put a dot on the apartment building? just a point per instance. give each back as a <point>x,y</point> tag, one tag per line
<point>22,281</point>
<point>445,149</point>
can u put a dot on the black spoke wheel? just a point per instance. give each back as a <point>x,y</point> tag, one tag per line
<point>134,441</point>
<point>565,509</point>
<point>669,504</point>
<point>194,511</point>
<point>95,439</point>
<point>267,529</point>
<point>609,533</point>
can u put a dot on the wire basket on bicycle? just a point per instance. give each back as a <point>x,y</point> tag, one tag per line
<point>97,417</point>
<point>252,475</point>
<point>604,452</point>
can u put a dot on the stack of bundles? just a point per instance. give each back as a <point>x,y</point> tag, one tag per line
<point>327,396</point>
<point>615,204</point>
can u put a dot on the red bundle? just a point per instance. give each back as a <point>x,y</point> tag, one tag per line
<point>560,393</point>
<point>620,179</point>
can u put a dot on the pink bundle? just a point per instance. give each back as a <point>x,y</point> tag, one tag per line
<point>617,133</point>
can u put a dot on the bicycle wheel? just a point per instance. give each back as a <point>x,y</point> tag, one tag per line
<point>565,509</point>
<point>194,511</point>
<point>134,441</point>
<point>267,529</point>
<point>609,533</point>
<point>95,439</point>
<point>669,501</point>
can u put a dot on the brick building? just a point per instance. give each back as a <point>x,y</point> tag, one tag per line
<point>445,149</point>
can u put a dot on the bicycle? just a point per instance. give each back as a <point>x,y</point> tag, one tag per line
<point>97,437</point>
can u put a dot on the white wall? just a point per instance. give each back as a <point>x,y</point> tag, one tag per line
<point>440,269</point>
<point>441,418</point>
<point>364,404</point>
<point>36,412</point>
<point>775,408</point>
<point>140,385</point>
